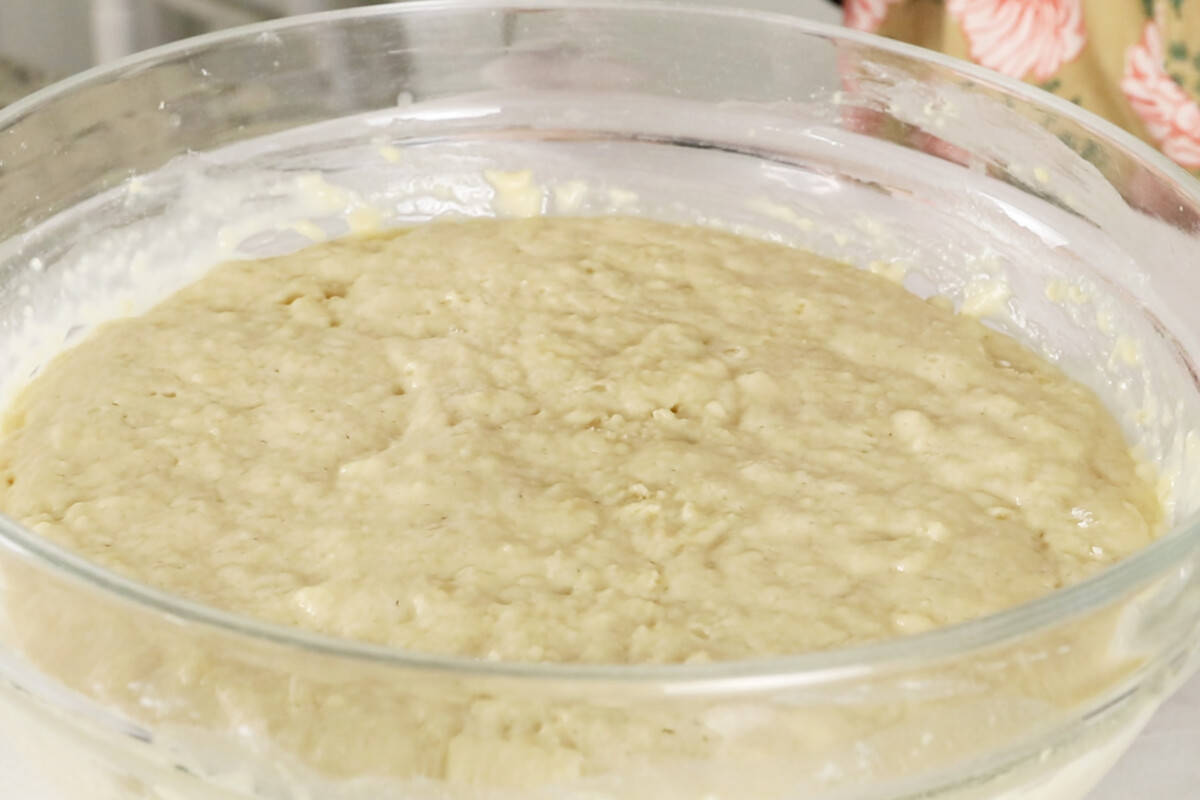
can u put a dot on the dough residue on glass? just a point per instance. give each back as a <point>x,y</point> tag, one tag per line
<point>573,440</point>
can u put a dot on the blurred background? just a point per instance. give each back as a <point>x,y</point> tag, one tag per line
<point>43,40</point>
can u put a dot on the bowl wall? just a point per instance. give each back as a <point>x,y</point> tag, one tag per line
<point>126,183</point>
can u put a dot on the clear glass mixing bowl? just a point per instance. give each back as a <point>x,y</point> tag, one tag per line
<point>125,182</point>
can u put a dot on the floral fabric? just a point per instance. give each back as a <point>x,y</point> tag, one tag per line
<point>1136,62</point>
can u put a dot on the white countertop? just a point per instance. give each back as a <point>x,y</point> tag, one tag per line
<point>1164,763</point>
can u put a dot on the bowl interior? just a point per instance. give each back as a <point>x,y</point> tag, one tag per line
<point>126,184</point>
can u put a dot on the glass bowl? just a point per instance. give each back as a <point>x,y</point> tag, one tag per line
<point>128,181</point>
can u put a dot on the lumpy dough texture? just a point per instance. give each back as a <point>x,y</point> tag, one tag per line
<point>601,440</point>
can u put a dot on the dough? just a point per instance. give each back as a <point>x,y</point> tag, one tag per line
<point>573,440</point>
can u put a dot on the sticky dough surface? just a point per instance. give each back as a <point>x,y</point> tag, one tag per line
<point>604,440</point>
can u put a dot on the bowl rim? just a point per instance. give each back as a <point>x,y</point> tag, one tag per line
<point>755,674</point>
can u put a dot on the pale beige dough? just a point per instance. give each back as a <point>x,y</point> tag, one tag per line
<point>604,440</point>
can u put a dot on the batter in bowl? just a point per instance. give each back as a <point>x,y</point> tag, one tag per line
<point>573,440</point>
